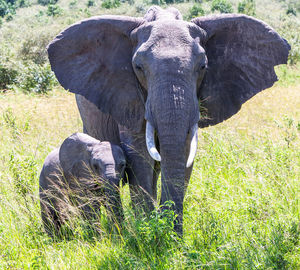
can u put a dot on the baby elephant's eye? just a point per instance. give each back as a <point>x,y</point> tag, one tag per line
<point>96,167</point>
<point>122,165</point>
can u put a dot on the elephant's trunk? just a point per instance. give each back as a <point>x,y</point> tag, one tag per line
<point>172,109</point>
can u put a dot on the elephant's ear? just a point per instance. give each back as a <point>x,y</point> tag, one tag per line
<point>76,149</point>
<point>93,58</point>
<point>242,53</point>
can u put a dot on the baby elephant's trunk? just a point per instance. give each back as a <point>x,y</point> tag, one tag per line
<point>113,203</point>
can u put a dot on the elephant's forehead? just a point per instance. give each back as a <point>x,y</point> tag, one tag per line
<point>172,30</point>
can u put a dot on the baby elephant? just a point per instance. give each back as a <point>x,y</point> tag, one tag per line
<point>80,176</point>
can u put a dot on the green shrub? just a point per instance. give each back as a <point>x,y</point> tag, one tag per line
<point>153,236</point>
<point>37,79</point>
<point>53,10</point>
<point>195,11</point>
<point>222,6</point>
<point>291,10</point>
<point>8,76</point>
<point>23,3</point>
<point>7,8</point>
<point>110,4</point>
<point>47,2</point>
<point>34,48</point>
<point>157,2</point>
<point>289,30</point>
<point>24,174</point>
<point>72,4</point>
<point>90,3</point>
<point>294,5</point>
<point>247,7</point>
<point>173,1</point>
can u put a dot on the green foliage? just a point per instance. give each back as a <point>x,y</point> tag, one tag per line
<point>53,10</point>
<point>90,3</point>
<point>7,8</point>
<point>8,76</point>
<point>195,11</point>
<point>240,212</point>
<point>23,3</point>
<point>110,4</point>
<point>293,6</point>
<point>154,234</point>
<point>47,2</point>
<point>288,28</point>
<point>291,10</point>
<point>247,7</point>
<point>241,209</point>
<point>34,48</point>
<point>24,174</point>
<point>173,1</point>
<point>223,6</point>
<point>37,79</point>
<point>72,4</point>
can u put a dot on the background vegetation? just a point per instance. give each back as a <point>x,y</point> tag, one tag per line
<point>242,206</point>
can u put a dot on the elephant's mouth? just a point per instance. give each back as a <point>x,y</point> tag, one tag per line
<point>151,147</point>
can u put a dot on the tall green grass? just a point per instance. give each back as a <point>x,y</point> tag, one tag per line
<point>241,210</point>
<point>242,206</point>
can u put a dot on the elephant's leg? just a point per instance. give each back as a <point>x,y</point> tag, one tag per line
<point>140,170</point>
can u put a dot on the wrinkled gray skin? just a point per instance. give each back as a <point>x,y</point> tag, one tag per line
<point>85,173</point>
<point>163,70</point>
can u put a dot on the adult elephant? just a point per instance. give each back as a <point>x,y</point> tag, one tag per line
<point>143,82</point>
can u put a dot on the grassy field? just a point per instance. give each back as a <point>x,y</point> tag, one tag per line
<point>242,209</point>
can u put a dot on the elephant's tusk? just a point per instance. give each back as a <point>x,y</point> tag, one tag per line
<point>150,142</point>
<point>193,146</point>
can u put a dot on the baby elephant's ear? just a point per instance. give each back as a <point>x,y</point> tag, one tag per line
<point>93,58</point>
<point>74,149</point>
<point>242,53</point>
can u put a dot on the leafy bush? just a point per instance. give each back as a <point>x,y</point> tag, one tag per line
<point>23,3</point>
<point>154,235</point>
<point>195,11</point>
<point>24,174</point>
<point>110,4</point>
<point>90,3</point>
<point>247,7</point>
<point>34,48</point>
<point>289,30</point>
<point>47,2</point>
<point>8,76</point>
<point>221,5</point>
<point>72,4</point>
<point>53,10</point>
<point>37,79</point>
<point>173,1</point>
<point>7,7</point>
<point>291,10</point>
<point>293,6</point>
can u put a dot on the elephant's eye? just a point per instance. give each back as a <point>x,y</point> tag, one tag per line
<point>138,67</point>
<point>203,66</point>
